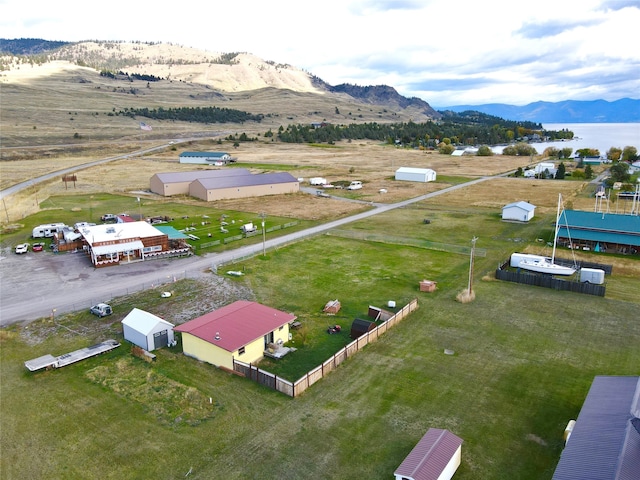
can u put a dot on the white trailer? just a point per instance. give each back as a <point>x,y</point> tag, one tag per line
<point>592,275</point>
<point>47,230</point>
<point>248,228</point>
<point>317,181</point>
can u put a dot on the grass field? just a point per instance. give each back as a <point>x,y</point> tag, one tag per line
<point>524,360</point>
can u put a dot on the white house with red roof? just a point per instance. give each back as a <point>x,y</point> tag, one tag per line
<point>436,457</point>
<point>242,330</point>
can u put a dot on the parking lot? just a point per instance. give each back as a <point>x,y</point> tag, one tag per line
<point>33,284</point>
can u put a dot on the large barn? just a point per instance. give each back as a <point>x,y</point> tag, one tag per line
<point>411,174</point>
<point>242,330</point>
<point>243,186</point>
<point>600,232</point>
<point>178,183</point>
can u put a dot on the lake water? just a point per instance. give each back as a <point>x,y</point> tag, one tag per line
<point>601,136</point>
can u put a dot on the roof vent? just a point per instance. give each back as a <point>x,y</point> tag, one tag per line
<point>111,230</point>
<point>217,337</point>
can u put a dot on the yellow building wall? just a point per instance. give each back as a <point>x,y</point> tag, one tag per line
<point>205,351</point>
<point>193,346</point>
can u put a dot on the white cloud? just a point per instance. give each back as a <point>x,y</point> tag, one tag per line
<point>444,51</point>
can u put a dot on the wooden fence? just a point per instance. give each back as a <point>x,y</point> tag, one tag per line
<point>548,281</point>
<point>294,389</point>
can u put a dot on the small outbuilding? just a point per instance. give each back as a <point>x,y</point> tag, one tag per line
<point>146,330</point>
<point>332,307</point>
<point>518,211</point>
<point>411,174</point>
<point>359,327</point>
<point>436,457</point>
<point>428,286</point>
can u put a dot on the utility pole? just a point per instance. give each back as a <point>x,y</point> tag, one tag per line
<point>473,249</point>
<point>263,216</point>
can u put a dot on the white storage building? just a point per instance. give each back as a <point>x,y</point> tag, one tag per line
<point>518,211</point>
<point>146,330</point>
<point>411,174</point>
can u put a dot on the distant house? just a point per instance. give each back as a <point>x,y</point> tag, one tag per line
<point>206,158</point>
<point>411,174</point>
<point>604,443</point>
<point>437,456</point>
<point>146,330</point>
<point>518,211</point>
<point>545,168</point>
<point>242,330</point>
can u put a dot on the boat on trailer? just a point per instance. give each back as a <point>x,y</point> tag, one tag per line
<point>547,265</point>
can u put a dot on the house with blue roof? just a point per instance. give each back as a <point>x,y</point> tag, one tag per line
<point>600,232</point>
<point>206,158</point>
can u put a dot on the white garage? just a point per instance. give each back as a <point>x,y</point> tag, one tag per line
<point>411,174</point>
<point>518,211</point>
<point>146,330</point>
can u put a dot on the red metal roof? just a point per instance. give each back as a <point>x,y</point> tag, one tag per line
<point>430,456</point>
<point>236,325</point>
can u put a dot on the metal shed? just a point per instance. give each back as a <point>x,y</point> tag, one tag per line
<point>146,330</point>
<point>412,174</point>
<point>359,327</point>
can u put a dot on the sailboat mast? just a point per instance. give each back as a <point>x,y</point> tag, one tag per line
<point>555,235</point>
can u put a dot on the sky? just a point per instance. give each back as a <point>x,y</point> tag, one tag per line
<point>446,52</point>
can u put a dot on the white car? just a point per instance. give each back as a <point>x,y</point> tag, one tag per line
<point>22,248</point>
<point>355,186</point>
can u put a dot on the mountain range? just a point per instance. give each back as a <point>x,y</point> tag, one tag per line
<point>625,110</point>
<point>239,72</point>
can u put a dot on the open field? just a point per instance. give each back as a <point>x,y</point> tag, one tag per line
<point>524,360</point>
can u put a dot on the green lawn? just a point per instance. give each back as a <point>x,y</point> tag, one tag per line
<point>524,358</point>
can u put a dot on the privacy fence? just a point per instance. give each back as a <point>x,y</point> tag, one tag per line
<point>548,281</point>
<point>293,389</point>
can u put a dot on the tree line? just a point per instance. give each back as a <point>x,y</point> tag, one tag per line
<point>193,114</point>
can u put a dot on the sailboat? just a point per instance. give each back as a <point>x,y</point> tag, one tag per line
<point>544,264</point>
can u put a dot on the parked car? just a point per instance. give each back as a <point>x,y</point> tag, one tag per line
<point>355,186</point>
<point>109,217</point>
<point>101,310</point>
<point>22,248</point>
<point>38,247</point>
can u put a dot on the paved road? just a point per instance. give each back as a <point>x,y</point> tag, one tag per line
<point>34,285</point>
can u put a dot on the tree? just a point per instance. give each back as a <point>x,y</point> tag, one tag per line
<point>519,172</point>
<point>485,151</point>
<point>566,152</point>
<point>629,154</point>
<point>551,152</point>
<point>620,172</point>
<point>614,154</point>
<point>588,172</point>
<point>561,171</point>
<point>446,149</point>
